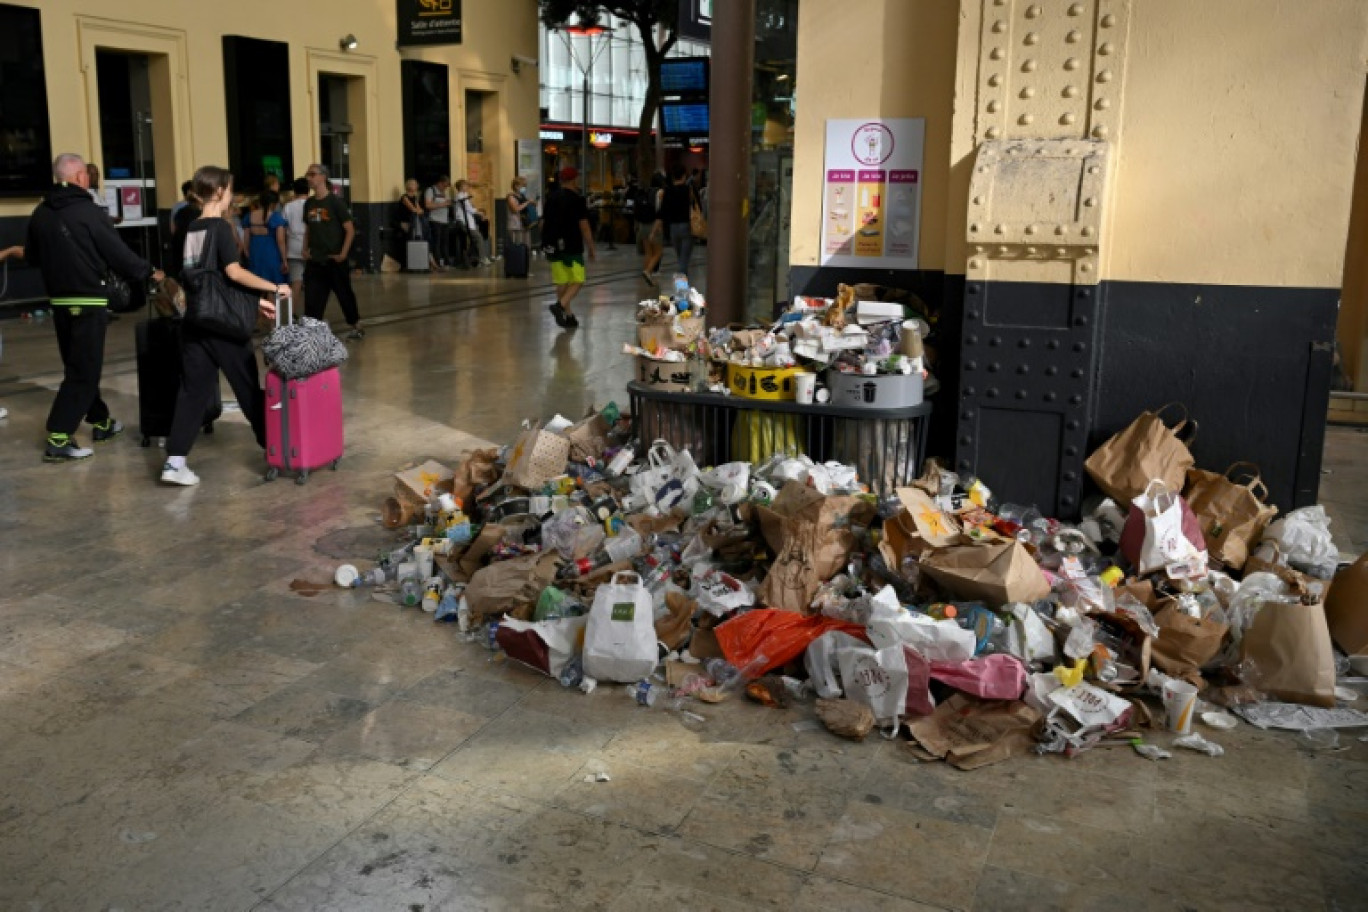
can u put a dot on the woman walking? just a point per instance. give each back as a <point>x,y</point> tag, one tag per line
<point>211,238</point>
<point>677,204</point>
<point>267,239</point>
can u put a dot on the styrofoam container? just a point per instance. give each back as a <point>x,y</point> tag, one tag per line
<point>884,391</point>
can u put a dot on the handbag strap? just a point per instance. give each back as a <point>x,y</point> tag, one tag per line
<point>101,266</point>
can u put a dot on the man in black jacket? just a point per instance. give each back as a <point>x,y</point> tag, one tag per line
<point>73,243</point>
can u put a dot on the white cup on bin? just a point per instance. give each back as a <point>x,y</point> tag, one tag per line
<point>804,387</point>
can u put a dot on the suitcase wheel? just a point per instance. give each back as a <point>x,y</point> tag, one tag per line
<point>272,473</point>
<point>302,477</point>
<point>335,462</point>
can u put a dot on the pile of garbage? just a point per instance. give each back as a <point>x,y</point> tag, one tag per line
<point>813,353</point>
<point>974,628</point>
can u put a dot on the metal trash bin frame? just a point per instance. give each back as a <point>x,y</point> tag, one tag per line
<point>886,446</point>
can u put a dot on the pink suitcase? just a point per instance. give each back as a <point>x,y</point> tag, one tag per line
<point>303,423</point>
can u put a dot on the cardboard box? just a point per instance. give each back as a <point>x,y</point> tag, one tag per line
<point>769,383</point>
<point>677,333</point>
<point>421,483</point>
<point>1346,608</point>
<point>663,376</point>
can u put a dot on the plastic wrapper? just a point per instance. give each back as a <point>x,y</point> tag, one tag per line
<point>1195,742</point>
<point>1304,538</point>
<point>574,533</point>
<point>780,636</point>
<point>821,663</point>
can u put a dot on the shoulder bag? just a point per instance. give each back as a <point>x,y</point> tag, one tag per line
<point>216,304</point>
<point>117,290</point>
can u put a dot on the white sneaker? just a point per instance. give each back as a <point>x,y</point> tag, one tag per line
<point>182,476</point>
<point>4,412</point>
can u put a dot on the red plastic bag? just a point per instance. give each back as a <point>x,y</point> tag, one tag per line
<point>778,636</point>
<point>991,677</point>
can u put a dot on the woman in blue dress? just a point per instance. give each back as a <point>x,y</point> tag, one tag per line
<point>266,231</point>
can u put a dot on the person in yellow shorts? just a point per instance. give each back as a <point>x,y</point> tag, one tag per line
<point>567,237</point>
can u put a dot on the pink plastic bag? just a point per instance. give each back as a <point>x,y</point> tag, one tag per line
<point>919,699</point>
<point>991,677</point>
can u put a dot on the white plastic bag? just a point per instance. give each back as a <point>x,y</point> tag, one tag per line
<point>719,593</point>
<point>1164,541</point>
<point>620,641</point>
<point>731,480</point>
<point>1304,538</point>
<point>1027,636</point>
<point>939,641</point>
<point>878,679</point>
<point>821,662</point>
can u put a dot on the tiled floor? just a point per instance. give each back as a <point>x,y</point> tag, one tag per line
<point>180,730</point>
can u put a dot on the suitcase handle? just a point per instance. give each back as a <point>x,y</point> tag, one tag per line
<point>290,298</point>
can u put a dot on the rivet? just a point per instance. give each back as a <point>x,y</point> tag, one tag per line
<point>973,288</point>
<point>992,392</point>
<point>1104,76</point>
<point>1106,48</point>
<point>1071,64</point>
<point>1070,476</point>
<point>974,264</point>
<point>978,248</point>
<point>968,414</point>
<point>1026,119</point>
<point>1080,321</point>
<point>999,27</point>
<point>970,390</point>
<point>1023,343</point>
<point>1061,229</point>
<point>1100,131</point>
<point>992,133</point>
<point>995,80</point>
<point>973,228</point>
<point>1032,12</point>
<point>1084,293</point>
<point>1030,229</point>
<point>970,365</point>
<point>1028,92</point>
<point>965,464</point>
<point>1080,347</point>
<point>1032,38</point>
<point>993,107</point>
<point>994,367</point>
<point>1084,267</point>
<point>1072,424</point>
<point>983,169</point>
<point>1000,228</point>
<point>1023,368</point>
<point>1108,21</point>
<point>1076,399</point>
<point>1067,119</point>
<point>1052,344</point>
<point>1073,37</point>
<point>978,201</point>
<point>1087,231</point>
<point>1051,371</point>
<point>1028,67</point>
<point>1070,450</point>
<point>1022,394</point>
<point>1050,397</point>
<point>1077,374</point>
<point>1061,252</point>
<point>1076,9</point>
<point>1070,91</point>
<point>995,341</point>
<point>1094,169</point>
<point>1102,104</point>
<point>1003,250</point>
<point>1090,201</point>
<point>970,339</point>
<point>995,54</point>
<point>1067,500</point>
<point>1030,251</point>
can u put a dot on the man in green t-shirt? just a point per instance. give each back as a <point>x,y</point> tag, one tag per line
<point>328,235</point>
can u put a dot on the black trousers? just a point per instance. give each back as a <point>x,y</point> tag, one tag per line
<point>81,340</point>
<point>203,355</point>
<point>441,241</point>
<point>323,279</point>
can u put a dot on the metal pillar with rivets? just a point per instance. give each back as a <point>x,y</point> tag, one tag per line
<point>1046,118</point>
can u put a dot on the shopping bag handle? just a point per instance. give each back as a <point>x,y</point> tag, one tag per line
<point>661,455</point>
<point>629,574</point>
<point>1254,482</point>
<point>1183,423</point>
<point>1154,498</point>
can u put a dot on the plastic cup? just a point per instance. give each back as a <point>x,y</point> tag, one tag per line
<point>804,386</point>
<point>422,554</point>
<point>1180,699</point>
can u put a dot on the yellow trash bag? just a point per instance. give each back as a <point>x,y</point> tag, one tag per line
<point>757,436</point>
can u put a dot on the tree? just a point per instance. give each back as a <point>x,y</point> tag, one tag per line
<point>646,15</point>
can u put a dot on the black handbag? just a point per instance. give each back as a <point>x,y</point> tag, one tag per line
<point>216,304</point>
<point>117,290</point>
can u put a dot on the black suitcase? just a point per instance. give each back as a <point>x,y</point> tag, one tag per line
<point>515,261</point>
<point>159,379</point>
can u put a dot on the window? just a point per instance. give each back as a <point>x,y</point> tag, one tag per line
<point>25,146</point>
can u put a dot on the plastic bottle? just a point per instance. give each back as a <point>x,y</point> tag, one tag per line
<point>623,546</point>
<point>432,595</point>
<point>410,591</point>
<point>573,673</point>
<point>492,636</point>
<point>463,614</point>
<point>681,287</point>
<point>448,606</point>
<point>577,569</point>
<point>621,461</point>
<point>656,696</point>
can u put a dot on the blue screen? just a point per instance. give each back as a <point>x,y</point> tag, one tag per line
<point>683,76</point>
<point>686,118</point>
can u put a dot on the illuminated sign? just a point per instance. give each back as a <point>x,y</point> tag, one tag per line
<point>600,140</point>
<point>553,135</point>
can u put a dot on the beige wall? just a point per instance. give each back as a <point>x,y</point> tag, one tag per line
<point>1235,149</point>
<point>874,58</point>
<point>190,33</point>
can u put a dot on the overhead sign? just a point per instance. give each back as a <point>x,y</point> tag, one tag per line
<point>429,22</point>
<point>871,199</point>
<point>553,135</point>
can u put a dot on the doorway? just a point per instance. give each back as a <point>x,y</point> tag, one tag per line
<point>127,148</point>
<point>335,131</point>
<point>481,113</point>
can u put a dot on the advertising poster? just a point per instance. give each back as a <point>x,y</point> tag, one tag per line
<point>871,192</point>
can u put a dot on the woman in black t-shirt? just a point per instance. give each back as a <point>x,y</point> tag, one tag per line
<point>203,353</point>
<point>673,217</point>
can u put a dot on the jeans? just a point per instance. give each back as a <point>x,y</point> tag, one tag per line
<point>323,279</point>
<point>681,239</point>
<point>80,340</point>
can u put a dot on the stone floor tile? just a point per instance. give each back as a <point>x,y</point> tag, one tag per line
<point>415,736</point>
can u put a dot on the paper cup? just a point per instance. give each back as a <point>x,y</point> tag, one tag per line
<point>1180,699</point>
<point>422,554</point>
<point>804,386</point>
<point>911,343</point>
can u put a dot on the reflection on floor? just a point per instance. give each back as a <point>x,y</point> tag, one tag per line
<point>180,730</point>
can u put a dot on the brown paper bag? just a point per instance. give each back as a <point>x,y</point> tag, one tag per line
<point>1346,608</point>
<point>1232,513</point>
<point>674,628</point>
<point>1185,643</point>
<point>510,587</point>
<point>588,439</point>
<point>994,572</point>
<point>1147,449</point>
<point>969,733</point>
<point>1289,646</point>
<point>476,469</point>
<point>537,457</point>
<point>811,538</point>
<point>934,526</point>
<point>418,485</point>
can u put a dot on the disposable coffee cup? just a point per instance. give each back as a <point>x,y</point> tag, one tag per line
<point>422,555</point>
<point>804,386</point>
<point>1180,700</point>
<point>911,339</point>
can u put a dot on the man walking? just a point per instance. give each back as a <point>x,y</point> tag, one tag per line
<point>73,243</point>
<point>328,236</point>
<point>566,235</point>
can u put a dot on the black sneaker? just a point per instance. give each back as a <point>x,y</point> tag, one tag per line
<point>562,318</point>
<point>571,320</point>
<point>650,279</point>
<point>106,430</point>
<point>65,449</point>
